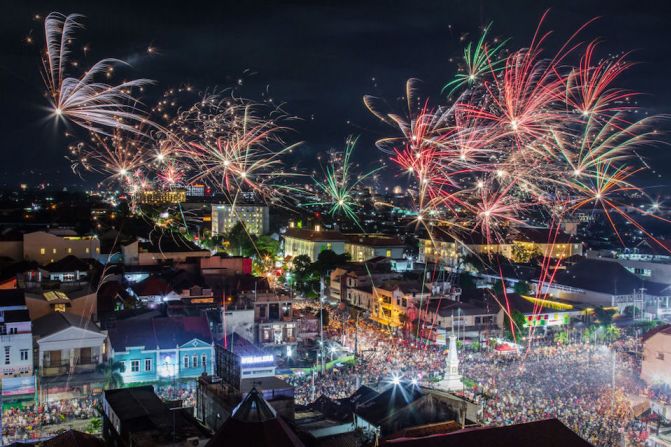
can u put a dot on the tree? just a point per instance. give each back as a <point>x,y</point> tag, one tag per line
<point>112,371</point>
<point>328,260</point>
<point>466,281</point>
<point>241,242</point>
<point>519,321</point>
<point>604,316</point>
<point>523,253</point>
<point>498,287</point>
<point>561,338</point>
<point>522,288</point>
<point>613,332</point>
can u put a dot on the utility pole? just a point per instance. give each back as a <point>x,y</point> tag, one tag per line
<point>321,321</point>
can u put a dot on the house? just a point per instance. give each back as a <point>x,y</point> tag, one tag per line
<point>395,302</point>
<point>69,271</point>
<point>82,302</point>
<point>440,249</point>
<point>254,422</point>
<point>73,438</point>
<point>67,344</point>
<point>468,320</point>
<point>16,340</point>
<point>219,265</point>
<point>656,364</point>
<point>161,250</point>
<point>47,247</point>
<point>163,348</point>
<point>299,241</point>
<point>538,313</point>
<point>154,291</point>
<point>138,417</point>
<point>358,274</point>
<point>273,318</point>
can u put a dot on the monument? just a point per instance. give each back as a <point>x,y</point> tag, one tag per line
<point>451,377</point>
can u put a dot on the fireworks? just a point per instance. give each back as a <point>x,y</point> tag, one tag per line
<point>340,184</point>
<point>93,105</point>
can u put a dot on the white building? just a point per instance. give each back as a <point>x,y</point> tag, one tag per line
<point>16,340</point>
<point>46,247</point>
<point>254,217</point>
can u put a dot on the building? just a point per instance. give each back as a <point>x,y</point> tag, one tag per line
<point>441,249</point>
<point>163,348</point>
<point>254,217</point>
<point>298,241</point>
<point>355,275</point>
<point>539,313</point>
<point>161,197</point>
<point>238,359</point>
<point>81,302</point>
<point>73,438</point>
<point>68,344</point>
<point>440,317</point>
<point>546,432</point>
<point>255,422</point>
<point>397,302</point>
<point>225,266</point>
<point>46,247</point>
<point>157,251</point>
<point>606,283</point>
<point>16,340</point>
<point>137,417</point>
<point>362,247</point>
<point>656,365</point>
<point>273,318</point>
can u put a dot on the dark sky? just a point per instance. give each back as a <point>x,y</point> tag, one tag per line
<point>319,58</point>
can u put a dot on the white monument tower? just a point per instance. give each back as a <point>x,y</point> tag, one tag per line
<point>451,377</point>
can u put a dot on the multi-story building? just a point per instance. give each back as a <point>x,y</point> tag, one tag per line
<point>440,249</point>
<point>396,302</point>
<point>254,217</point>
<point>273,318</point>
<point>68,344</point>
<point>46,247</point>
<point>299,241</point>
<point>162,348</point>
<point>354,275</point>
<point>16,338</point>
<point>238,359</point>
<point>656,365</point>
<point>161,197</point>
<point>362,247</point>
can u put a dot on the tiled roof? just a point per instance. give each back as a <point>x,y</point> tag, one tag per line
<point>59,321</point>
<point>663,329</point>
<point>312,235</point>
<point>546,433</point>
<point>164,332</point>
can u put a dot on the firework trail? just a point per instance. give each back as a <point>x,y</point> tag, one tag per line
<point>91,104</point>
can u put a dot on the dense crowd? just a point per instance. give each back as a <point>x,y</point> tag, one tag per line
<point>35,421</point>
<point>588,387</point>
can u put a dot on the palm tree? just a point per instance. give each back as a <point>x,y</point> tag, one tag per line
<point>113,378</point>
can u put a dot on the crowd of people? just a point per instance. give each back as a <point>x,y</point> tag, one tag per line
<point>588,387</point>
<point>37,421</point>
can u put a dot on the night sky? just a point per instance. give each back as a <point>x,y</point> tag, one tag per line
<point>318,58</point>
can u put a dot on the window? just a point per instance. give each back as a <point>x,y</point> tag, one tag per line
<point>68,277</point>
<point>7,354</point>
<point>24,354</point>
<point>13,330</point>
<point>147,364</point>
<point>88,250</point>
<point>43,251</point>
<point>203,361</point>
<point>59,307</point>
<point>194,360</point>
<point>389,253</point>
<point>186,361</point>
<point>53,250</point>
<point>135,366</point>
<point>660,356</point>
<point>69,250</point>
<point>3,329</point>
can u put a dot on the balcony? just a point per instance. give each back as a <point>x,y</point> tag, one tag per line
<point>62,367</point>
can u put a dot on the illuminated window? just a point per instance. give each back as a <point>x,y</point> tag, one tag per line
<point>43,251</point>
<point>53,251</point>
<point>97,249</point>
<point>69,250</point>
<point>59,307</point>
<point>88,250</point>
<point>389,253</point>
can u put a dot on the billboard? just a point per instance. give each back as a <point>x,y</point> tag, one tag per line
<point>16,386</point>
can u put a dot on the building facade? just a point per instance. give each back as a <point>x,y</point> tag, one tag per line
<point>162,348</point>
<point>46,247</point>
<point>254,217</point>
<point>298,241</point>
<point>16,340</point>
<point>656,365</point>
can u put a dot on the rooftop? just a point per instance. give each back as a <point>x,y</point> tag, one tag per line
<point>59,321</point>
<point>161,333</point>
<point>313,235</point>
